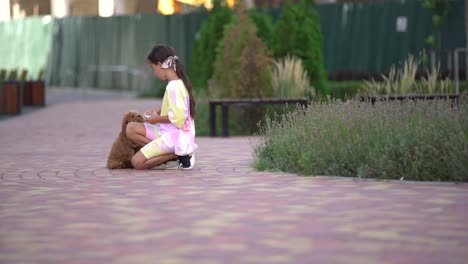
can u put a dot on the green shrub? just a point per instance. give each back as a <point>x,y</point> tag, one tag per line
<point>440,10</point>
<point>345,90</point>
<point>297,32</point>
<point>264,26</point>
<point>463,86</point>
<point>12,75</point>
<point>424,140</point>
<point>203,55</point>
<point>3,74</point>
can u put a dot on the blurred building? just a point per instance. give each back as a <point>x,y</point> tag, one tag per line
<point>278,3</point>
<point>61,8</point>
<point>16,9</point>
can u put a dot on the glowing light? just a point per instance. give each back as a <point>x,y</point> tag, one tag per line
<point>166,7</point>
<point>18,12</point>
<point>208,4</point>
<point>59,8</point>
<point>106,8</point>
<point>193,2</point>
<point>5,11</point>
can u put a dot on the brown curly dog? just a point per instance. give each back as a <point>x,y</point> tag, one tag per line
<point>123,149</point>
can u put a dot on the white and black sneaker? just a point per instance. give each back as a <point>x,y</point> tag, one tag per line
<point>186,162</point>
<point>172,164</point>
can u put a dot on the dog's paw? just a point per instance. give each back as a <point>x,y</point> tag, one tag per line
<point>113,165</point>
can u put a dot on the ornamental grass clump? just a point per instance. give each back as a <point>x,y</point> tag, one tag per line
<point>420,141</point>
<point>403,81</point>
<point>289,78</point>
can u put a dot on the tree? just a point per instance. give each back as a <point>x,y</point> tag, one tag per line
<point>440,9</point>
<point>243,61</point>
<point>297,33</point>
<point>203,54</point>
<point>243,68</point>
<point>264,26</point>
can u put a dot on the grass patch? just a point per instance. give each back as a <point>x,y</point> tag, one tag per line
<point>345,90</point>
<point>421,141</point>
<point>463,85</point>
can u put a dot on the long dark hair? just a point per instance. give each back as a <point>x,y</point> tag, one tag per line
<point>159,54</point>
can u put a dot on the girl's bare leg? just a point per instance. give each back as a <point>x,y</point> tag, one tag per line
<point>136,132</point>
<point>140,162</point>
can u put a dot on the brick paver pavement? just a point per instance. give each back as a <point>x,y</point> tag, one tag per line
<point>59,204</point>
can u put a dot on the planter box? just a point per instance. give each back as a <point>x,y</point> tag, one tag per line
<point>38,93</point>
<point>10,94</point>
<point>27,93</point>
<point>34,93</point>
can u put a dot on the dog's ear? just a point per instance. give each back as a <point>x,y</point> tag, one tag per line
<point>127,118</point>
<point>138,118</point>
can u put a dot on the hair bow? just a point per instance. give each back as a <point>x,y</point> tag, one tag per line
<point>170,62</point>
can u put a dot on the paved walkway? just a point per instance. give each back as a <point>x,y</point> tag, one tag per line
<point>59,204</point>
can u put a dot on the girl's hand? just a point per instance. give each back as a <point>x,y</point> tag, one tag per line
<point>151,112</point>
<point>147,114</point>
<point>149,119</point>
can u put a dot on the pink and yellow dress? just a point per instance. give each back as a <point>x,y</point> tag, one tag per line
<point>178,136</point>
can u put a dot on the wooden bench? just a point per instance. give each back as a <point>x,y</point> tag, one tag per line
<point>226,103</point>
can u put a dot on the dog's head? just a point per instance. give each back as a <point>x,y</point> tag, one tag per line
<point>131,116</point>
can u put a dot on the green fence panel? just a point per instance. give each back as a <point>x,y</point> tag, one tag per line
<point>111,52</point>
<point>83,51</point>
<point>25,44</point>
<point>453,28</point>
<point>363,37</point>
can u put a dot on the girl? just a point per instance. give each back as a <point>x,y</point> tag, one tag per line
<point>169,133</point>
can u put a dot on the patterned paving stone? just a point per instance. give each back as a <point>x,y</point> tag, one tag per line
<point>59,204</point>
